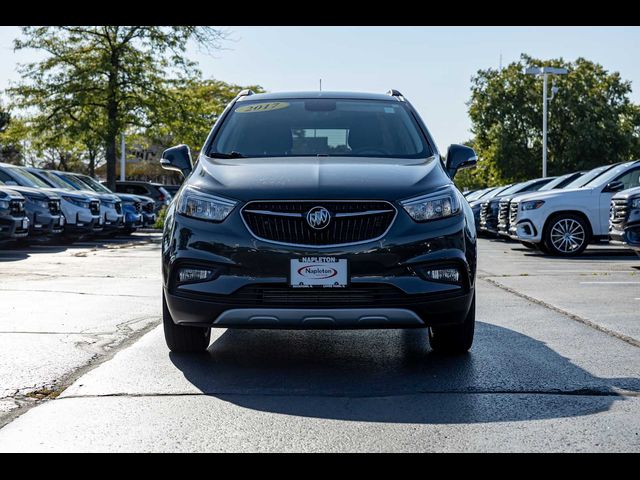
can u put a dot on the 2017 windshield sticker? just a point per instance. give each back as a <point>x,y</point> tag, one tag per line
<point>262,107</point>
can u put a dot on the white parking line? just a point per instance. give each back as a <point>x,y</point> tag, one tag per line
<point>581,271</point>
<point>618,283</point>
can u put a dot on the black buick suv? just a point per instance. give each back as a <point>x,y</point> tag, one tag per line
<point>319,210</point>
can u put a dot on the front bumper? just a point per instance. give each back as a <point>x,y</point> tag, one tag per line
<point>44,223</point>
<point>111,219</point>
<point>528,226</point>
<point>630,236</point>
<point>385,290</point>
<point>14,227</point>
<point>148,219</point>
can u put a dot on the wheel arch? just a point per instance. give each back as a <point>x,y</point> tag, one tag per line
<point>559,213</point>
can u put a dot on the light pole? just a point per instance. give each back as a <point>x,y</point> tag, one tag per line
<point>545,72</point>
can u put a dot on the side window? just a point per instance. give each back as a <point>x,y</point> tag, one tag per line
<point>631,178</point>
<point>4,177</point>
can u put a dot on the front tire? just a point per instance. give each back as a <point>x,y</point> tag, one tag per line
<point>566,235</point>
<point>454,339</point>
<point>183,339</point>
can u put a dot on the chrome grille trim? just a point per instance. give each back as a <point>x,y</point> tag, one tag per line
<point>246,208</point>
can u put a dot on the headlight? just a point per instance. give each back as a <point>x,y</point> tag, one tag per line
<point>76,202</point>
<point>194,203</point>
<point>4,205</point>
<point>433,206</point>
<point>635,203</point>
<point>532,205</point>
<point>39,203</point>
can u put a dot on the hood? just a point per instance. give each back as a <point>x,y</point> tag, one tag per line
<point>127,197</point>
<point>8,194</point>
<point>70,193</point>
<point>631,192</point>
<point>103,197</point>
<point>37,193</point>
<point>144,199</point>
<point>318,178</point>
<point>548,194</point>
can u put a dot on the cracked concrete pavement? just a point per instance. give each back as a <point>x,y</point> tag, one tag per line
<point>66,306</point>
<point>555,367</point>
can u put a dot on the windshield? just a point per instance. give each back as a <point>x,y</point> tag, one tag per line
<point>606,177</point>
<point>587,177</point>
<point>517,188</point>
<point>497,191</point>
<point>26,178</point>
<point>554,183</point>
<point>479,194</point>
<point>55,180</point>
<point>320,127</point>
<point>92,184</point>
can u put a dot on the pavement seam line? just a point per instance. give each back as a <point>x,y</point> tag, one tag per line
<point>572,316</point>
<point>574,393</point>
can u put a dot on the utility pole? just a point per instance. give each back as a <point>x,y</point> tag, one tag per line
<point>320,84</point>
<point>122,158</point>
<point>545,72</point>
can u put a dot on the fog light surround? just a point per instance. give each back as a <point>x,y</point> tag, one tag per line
<point>194,274</point>
<point>444,274</point>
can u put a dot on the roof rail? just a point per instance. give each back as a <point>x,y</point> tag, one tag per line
<point>245,93</point>
<point>394,93</point>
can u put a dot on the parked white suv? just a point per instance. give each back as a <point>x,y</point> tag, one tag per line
<point>564,222</point>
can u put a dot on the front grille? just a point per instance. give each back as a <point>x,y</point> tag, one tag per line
<point>54,207</point>
<point>16,207</point>
<point>148,207</point>
<point>619,211</point>
<point>503,215</point>
<point>118,207</point>
<point>513,213</point>
<point>286,222</point>
<point>365,295</point>
<point>94,206</point>
<point>484,212</point>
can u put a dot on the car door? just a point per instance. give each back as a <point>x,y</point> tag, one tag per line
<point>630,179</point>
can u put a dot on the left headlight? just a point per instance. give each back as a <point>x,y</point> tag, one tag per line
<point>77,202</point>
<point>532,205</point>
<point>635,203</point>
<point>196,204</point>
<point>434,206</point>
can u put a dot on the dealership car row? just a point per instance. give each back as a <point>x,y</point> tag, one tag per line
<point>563,215</point>
<point>38,204</point>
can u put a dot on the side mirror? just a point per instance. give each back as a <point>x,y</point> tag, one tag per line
<point>459,157</point>
<point>615,186</point>
<point>10,183</point>
<point>178,159</point>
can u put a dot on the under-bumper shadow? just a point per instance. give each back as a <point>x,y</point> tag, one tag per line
<point>392,376</point>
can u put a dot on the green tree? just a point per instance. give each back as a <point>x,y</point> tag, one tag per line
<point>189,119</point>
<point>591,121</point>
<point>10,150</point>
<point>117,75</point>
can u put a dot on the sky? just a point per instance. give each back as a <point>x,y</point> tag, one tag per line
<point>431,66</point>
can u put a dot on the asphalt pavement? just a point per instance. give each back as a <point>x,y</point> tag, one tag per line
<point>555,365</point>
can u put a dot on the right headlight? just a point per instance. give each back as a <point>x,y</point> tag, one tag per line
<point>4,205</point>
<point>532,205</point>
<point>442,204</point>
<point>635,203</point>
<point>196,204</point>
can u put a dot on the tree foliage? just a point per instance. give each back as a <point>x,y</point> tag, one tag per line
<point>592,121</point>
<point>101,80</point>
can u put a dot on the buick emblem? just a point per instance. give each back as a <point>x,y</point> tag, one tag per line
<point>318,218</point>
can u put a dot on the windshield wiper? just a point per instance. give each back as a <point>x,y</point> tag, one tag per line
<point>233,154</point>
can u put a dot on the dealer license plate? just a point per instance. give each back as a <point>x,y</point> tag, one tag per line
<point>319,271</point>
